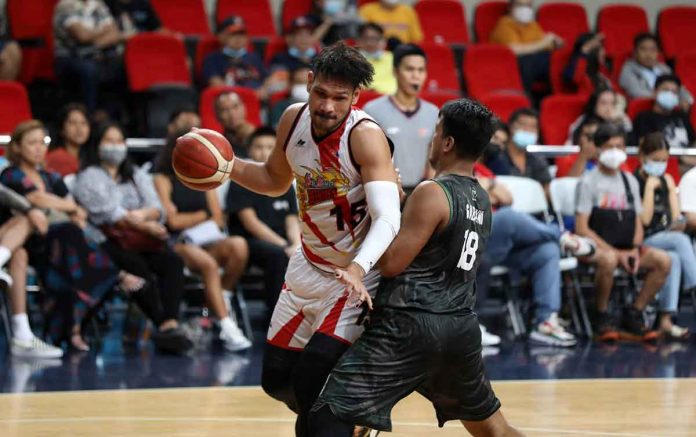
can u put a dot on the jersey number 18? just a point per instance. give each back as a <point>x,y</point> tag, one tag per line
<point>468,256</point>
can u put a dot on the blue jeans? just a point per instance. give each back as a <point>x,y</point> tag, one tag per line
<point>521,242</point>
<point>679,247</point>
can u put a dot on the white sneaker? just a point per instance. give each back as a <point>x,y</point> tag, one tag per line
<point>35,348</point>
<point>488,339</point>
<point>551,332</point>
<point>6,278</point>
<point>576,245</point>
<point>233,339</point>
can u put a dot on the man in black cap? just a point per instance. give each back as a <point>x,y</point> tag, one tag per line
<point>301,49</point>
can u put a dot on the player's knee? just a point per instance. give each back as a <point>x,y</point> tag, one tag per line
<point>276,374</point>
<point>319,357</point>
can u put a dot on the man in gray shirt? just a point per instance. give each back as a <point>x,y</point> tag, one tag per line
<point>407,120</point>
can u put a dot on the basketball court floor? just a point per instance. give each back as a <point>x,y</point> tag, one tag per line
<point>592,390</point>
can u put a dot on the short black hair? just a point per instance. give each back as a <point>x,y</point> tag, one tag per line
<point>645,36</point>
<point>470,124</point>
<point>653,142</point>
<point>607,131</point>
<point>588,120</point>
<point>261,131</point>
<point>667,78</point>
<point>370,25</point>
<point>182,110</point>
<point>499,124</point>
<point>522,112</point>
<point>342,62</point>
<point>403,50</point>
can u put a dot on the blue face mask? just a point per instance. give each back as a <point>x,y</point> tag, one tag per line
<point>333,7</point>
<point>234,53</point>
<point>523,138</point>
<point>373,55</point>
<point>296,53</point>
<point>667,100</point>
<point>655,168</point>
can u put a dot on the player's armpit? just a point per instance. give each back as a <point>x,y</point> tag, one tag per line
<point>370,151</point>
<point>427,210</point>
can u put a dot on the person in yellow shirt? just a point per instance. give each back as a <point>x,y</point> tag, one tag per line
<point>372,45</point>
<point>398,20</point>
<point>524,36</point>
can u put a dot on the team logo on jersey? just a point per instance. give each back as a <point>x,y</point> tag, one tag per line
<point>317,186</point>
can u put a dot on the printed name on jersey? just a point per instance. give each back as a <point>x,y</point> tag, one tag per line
<point>473,214</point>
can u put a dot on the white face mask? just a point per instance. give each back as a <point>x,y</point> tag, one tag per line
<point>612,158</point>
<point>390,2</point>
<point>299,92</point>
<point>523,14</point>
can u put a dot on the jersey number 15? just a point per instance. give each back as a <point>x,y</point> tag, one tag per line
<point>468,256</point>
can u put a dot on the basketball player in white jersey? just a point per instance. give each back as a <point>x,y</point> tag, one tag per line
<point>349,208</point>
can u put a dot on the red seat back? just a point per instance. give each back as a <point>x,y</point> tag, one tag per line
<point>14,106</point>
<point>636,106</point>
<point>155,59</point>
<point>184,16</point>
<point>486,15</point>
<point>567,20</point>
<point>206,107</point>
<point>559,62</point>
<point>490,68</point>
<point>675,27</point>
<point>33,20</point>
<point>442,69</point>
<point>275,45</point>
<point>293,9</point>
<point>558,112</point>
<point>366,96</point>
<point>256,14</point>
<point>439,98</point>
<point>620,24</point>
<point>503,105</point>
<point>686,70</point>
<point>443,21</point>
<point>204,47</point>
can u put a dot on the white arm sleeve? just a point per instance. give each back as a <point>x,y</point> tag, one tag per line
<point>385,210</point>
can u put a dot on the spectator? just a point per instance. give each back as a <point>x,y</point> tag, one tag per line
<point>182,120</point>
<point>588,69</point>
<point>666,116</point>
<point>639,74</point>
<point>373,46</point>
<point>301,49</point>
<point>514,159</point>
<point>233,64</point>
<point>687,198</point>
<point>231,113</point>
<point>127,221</point>
<point>327,16</point>
<point>74,272</point>
<point>14,231</point>
<point>269,224</point>
<point>10,54</point>
<point>134,16</point>
<point>527,40</point>
<point>399,21</point>
<point>87,47</point>
<point>575,165</point>
<point>66,144</point>
<point>186,211</point>
<point>606,105</point>
<point>664,229</point>
<point>408,121</point>
<point>608,210</point>
<point>298,93</point>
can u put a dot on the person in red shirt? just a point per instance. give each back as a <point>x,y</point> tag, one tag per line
<point>73,132</point>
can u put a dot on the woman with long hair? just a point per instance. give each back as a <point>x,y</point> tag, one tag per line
<point>72,133</point>
<point>606,105</point>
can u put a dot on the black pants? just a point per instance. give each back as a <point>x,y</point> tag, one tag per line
<point>164,270</point>
<point>272,259</point>
<point>534,68</point>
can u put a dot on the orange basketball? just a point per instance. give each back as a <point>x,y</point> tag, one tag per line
<point>202,159</point>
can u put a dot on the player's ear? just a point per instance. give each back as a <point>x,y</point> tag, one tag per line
<point>310,80</point>
<point>356,96</point>
<point>448,144</point>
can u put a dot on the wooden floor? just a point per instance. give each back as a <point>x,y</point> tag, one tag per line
<point>635,407</point>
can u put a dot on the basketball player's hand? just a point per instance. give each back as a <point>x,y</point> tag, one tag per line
<point>352,277</point>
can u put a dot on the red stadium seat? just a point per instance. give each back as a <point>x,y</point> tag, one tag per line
<point>155,59</point>
<point>366,96</point>
<point>558,112</point>
<point>293,9</point>
<point>184,16</point>
<point>503,105</point>
<point>274,46</point>
<point>443,21</point>
<point>439,98</point>
<point>693,118</point>
<point>567,20</point>
<point>636,106</point>
<point>686,70</point>
<point>33,21</point>
<point>207,105</point>
<point>490,68</point>
<point>559,62</point>
<point>14,105</point>
<point>256,14</point>
<point>620,24</point>
<point>675,27</point>
<point>364,2</point>
<point>486,15</point>
<point>442,68</point>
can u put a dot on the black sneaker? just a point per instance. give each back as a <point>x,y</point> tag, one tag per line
<point>605,328</point>
<point>633,326</point>
<point>172,341</point>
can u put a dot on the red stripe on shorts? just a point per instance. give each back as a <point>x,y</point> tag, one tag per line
<point>284,336</point>
<point>328,326</point>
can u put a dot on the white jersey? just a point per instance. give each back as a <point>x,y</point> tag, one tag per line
<point>331,198</point>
